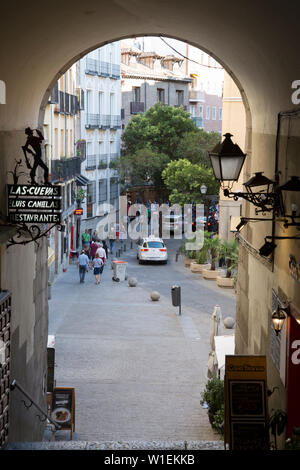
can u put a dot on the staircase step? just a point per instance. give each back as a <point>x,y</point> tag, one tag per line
<point>117,445</point>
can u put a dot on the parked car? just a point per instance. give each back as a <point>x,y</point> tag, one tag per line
<point>152,249</point>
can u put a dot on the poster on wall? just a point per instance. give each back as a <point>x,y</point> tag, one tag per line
<point>294,268</point>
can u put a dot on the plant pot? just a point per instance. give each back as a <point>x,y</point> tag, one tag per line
<point>225,282</point>
<point>197,268</point>
<point>188,261</point>
<point>209,274</point>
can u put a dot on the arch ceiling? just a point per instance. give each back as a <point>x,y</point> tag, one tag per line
<point>256,42</point>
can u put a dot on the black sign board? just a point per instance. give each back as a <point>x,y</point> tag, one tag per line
<point>34,204</point>
<point>63,408</point>
<point>246,402</point>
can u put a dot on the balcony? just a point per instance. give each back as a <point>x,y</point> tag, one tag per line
<point>196,95</point>
<point>92,121</point>
<point>91,162</point>
<point>66,169</point>
<point>103,158</point>
<point>115,121</point>
<point>137,107</point>
<point>102,69</point>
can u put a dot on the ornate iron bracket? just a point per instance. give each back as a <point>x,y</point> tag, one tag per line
<point>31,233</point>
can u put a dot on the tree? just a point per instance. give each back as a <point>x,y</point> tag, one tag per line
<point>142,168</point>
<point>159,129</point>
<point>194,146</point>
<point>184,180</point>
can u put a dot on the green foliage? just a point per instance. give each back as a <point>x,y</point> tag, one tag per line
<point>184,179</point>
<point>194,146</point>
<point>293,443</point>
<point>219,420</point>
<point>142,168</point>
<point>201,257</point>
<point>214,396</point>
<point>214,247</point>
<point>230,251</point>
<point>159,129</point>
<point>80,195</point>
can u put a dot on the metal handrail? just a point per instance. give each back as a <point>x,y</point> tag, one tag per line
<point>14,385</point>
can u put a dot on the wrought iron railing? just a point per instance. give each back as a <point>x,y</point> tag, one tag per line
<point>66,169</point>
<point>137,107</point>
<point>103,158</point>
<point>101,68</point>
<point>91,162</point>
<point>14,385</point>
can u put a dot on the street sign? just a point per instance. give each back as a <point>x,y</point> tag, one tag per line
<point>246,403</point>
<point>34,204</point>
<point>79,211</point>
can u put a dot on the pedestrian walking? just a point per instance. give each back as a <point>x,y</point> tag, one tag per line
<point>86,238</point>
<point>101,252</point>
<point>105,248</point>
<point>83,265</point>
<point>98,267</point>
<point>93,249</point>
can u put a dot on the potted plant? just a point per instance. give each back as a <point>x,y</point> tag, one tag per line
<point>213,246</point>
<point>200,262</point>
<point>190,255</point>
<point>213,397</point>
<point>80,195</point>
<point>230,252</point>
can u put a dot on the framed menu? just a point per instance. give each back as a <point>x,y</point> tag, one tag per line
<point>246,403</point>
<point>62,409</point>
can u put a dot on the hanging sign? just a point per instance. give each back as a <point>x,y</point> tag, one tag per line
<point>34,204</point>
<point>246,402</point>
<point>63,408</point>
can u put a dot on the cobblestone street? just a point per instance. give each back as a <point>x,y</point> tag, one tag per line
<point>138,368</point>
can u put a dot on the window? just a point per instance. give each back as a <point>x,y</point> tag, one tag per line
<point>137,94</point>
<point>214,113</point>
<point>193,110</point>
<point>201,111</point>
<point>207,112</point>
<point>161,95</point>
<point>180,97</point>
<point>220,114</point>
<point>101,102</point>
<point>102,190</point>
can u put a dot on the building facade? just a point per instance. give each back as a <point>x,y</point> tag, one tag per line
<point>60,124</point>
<point>99,81</point>
<point>148,78</point>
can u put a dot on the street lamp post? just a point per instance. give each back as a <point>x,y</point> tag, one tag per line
<point>203,190</point>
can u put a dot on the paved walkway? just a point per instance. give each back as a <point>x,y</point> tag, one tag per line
<point>137,366</point>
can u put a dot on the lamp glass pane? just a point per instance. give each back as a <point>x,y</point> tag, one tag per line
<point>215,162</point>
<point>231,167</point>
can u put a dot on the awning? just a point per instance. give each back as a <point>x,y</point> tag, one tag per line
<point>81,180</point>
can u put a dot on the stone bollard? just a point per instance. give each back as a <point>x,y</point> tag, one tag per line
<point>155,295</point>
<point>132,282</point>
<point>229,323</point>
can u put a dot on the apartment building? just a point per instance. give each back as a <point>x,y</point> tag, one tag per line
<point>206,75</point>
<point>60,123</point>
<point>148,78</point>
<point>99,80</point>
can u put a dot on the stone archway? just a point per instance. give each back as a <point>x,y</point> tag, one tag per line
<point>38,45</point>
